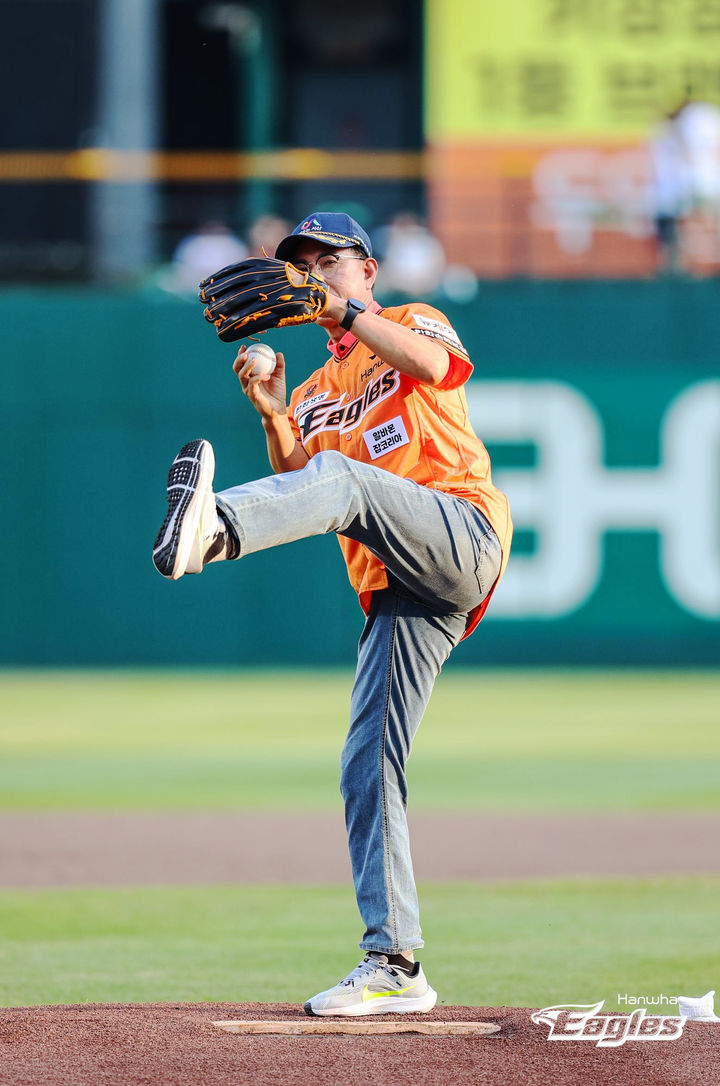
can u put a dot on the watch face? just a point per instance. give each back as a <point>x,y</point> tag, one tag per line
<point>354,306</point>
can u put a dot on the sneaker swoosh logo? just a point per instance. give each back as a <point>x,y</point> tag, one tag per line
<point>367,994</point>
<point>170,530</point>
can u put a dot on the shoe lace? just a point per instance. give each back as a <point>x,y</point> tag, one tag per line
<point>369,964</point>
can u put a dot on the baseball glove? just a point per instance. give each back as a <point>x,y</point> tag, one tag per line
<point>258,294</point>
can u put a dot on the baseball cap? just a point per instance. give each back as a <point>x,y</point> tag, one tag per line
<point>328,228</point>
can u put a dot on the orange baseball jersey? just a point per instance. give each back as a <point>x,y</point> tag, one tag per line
<point>359,405</point>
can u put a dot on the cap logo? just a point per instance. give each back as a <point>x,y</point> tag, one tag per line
<point>310,223</point>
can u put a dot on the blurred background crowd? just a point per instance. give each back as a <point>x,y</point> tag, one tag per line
<point>584,143</point>
<point>412,261</point>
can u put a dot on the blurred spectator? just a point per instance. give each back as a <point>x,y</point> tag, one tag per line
<point>684,174</point>
<point>267,231</point>
<point>459,283</point>
<point>699,126</point>
<point>211,247</point>
<point>669,189</point>
<point>413,261</point>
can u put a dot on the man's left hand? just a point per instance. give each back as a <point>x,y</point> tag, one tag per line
<point>333,313</point>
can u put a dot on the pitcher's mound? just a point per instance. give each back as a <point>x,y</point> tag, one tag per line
<point>157,1044</point>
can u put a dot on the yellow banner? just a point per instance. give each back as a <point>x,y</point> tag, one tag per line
<point>567,68</point>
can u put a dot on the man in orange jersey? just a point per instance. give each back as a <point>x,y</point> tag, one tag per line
<point>376,446</point>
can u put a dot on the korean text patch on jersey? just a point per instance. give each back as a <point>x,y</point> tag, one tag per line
<point>386,437</point>
<point>311,401</point>
<point>428,326</point>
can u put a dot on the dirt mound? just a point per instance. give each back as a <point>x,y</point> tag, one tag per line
<point>177,1045</point>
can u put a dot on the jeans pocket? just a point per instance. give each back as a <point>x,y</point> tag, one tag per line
<point>488,565</point>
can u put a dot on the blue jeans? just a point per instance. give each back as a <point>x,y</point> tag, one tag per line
<point>442,558</point>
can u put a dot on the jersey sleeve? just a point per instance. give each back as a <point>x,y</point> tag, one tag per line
<point>426,321</point>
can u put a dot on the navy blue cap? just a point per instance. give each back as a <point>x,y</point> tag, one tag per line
<point>328,228</point>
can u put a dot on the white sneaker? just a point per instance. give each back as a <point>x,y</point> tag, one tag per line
<point>376,987</point>
<point>191,524</point>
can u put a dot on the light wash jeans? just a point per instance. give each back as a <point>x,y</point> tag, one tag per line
<point>442,559</point>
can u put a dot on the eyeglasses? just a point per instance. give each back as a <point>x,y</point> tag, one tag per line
<point>326,264</point>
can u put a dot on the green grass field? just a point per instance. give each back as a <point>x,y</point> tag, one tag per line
<point>521,944</point>
<point>490,741</point>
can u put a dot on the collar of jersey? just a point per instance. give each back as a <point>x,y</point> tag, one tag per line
<point>342,348</point>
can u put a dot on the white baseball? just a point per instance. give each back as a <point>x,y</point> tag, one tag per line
<point>263,357</point>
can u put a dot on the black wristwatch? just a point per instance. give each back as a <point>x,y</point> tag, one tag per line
<point>353,308</point>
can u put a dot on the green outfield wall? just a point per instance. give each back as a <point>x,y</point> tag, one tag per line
<point>600,404</point>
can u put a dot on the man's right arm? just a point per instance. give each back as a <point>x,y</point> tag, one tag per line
<point>285,452</point>
<point>267,394</point>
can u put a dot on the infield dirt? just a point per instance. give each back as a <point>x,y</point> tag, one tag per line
<point>102,849</point>
<point>177,1045</point>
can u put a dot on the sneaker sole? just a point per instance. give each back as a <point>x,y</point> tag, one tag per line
<point>190,473</point>
<point>384,1005</point>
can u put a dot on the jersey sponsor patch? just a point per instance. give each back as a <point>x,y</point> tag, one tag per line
<point>305,404</point>
<point>428,326</point>
<point>385,437</point>
<point>312,417</point>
